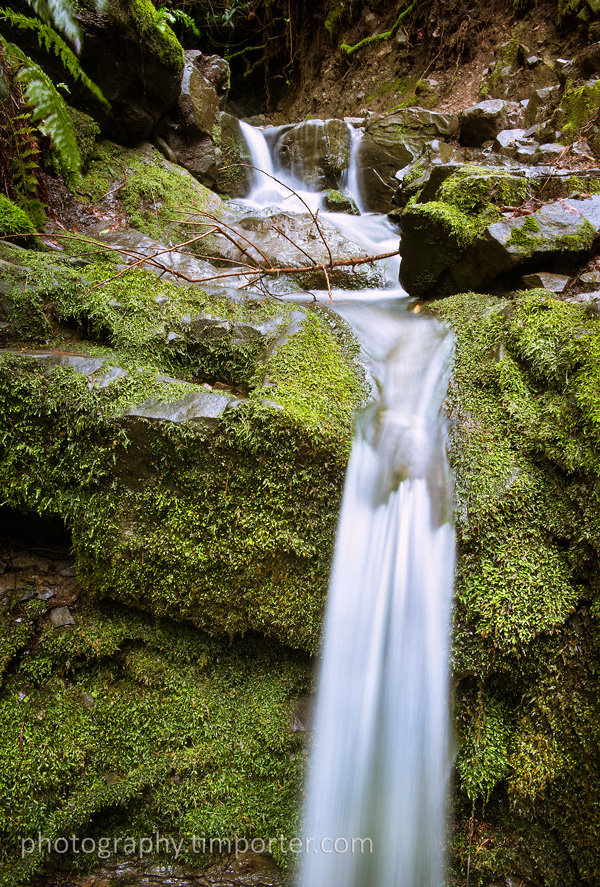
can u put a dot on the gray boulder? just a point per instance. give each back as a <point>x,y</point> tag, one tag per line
<point>233,175</point>
<point>443,253</point>
<point>316,151</point>
<point>481,123</point>
<point>193,132</point>
<point>391,143</point>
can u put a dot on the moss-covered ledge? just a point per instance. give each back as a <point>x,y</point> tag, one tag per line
<point>524,409</point>
<point>196,445</point>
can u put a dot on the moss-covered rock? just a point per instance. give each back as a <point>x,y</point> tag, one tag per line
<point>156,196</point>
<point>121,725</point>
<point>524,408</point>
<point>225,519</point>
<point>14,220</point>
<point>462,240</point>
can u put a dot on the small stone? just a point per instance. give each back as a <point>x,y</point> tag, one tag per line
<point>88,701</point>
<point>27,595</point>
<point>590,277</point>
<point>46,593</point>
<point>533,60</point>
<point>555,283</point>
<point>66,569</point>
<point>61,617</point>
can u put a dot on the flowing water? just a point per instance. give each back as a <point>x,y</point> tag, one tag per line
<point>375,806</point>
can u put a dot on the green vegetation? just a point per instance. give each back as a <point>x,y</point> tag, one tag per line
<point>13,219</point>
<point>227,522</point>
<point>385,35</point>
<point>122,724</point>
<point>157,196</point>
<point>579,106</point>
<point>524,409</point>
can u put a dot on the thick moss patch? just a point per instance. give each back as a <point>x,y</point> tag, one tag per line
<point>227,521</point>
<point>120,725</point>
<point>524,407</point>
<point>157,196</point>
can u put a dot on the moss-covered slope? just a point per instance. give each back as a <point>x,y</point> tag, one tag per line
<point>525,447</point>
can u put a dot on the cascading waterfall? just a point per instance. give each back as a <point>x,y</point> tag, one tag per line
<point>375,804</point>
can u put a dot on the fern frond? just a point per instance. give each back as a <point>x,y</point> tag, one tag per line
<point>53,42</point>
<point>48,110</point>
<point>60,14</point>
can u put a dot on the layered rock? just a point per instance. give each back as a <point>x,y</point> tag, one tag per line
<point>390,143</point>
<point>461,241</point>
<point>193,131</point>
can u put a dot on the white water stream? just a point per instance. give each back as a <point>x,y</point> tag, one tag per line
<point>375,806</point>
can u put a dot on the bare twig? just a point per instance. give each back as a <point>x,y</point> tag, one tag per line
<point>295,193</point>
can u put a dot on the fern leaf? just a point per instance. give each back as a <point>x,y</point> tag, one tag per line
<point>61,15</point>
<point>48,110</point>
<point>53,42</point>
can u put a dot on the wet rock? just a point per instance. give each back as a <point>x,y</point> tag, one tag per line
<point>193,132</point>
<point>442,255</point>
<point>194,407</point>
<point>316,151</point>
<point>590,277</point>
<point>336,202</point>
<point>46,593</point>
<point>136,65</point>
<point>61,617</point>
<point>482,122</point>
<point>542,102</point>
<point>233,176</point>
<point>391,143</point>
<point>555,283</point>
<point>280,235</point>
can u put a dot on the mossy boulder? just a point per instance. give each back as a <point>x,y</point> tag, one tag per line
<point>121,725</point>
<point>200,464</point>
<point>234,174</point>
<point>136,60</point>
<point>14,220</point>
<point>392,142</point>
<point>523,406</point>
<point>157,197</point>
<point>193,131</point>
<point>461,240</point>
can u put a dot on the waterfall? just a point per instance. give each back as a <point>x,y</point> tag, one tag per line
<point>379,758</point>
<point>375,806</point>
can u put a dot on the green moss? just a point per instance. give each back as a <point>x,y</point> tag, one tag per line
<point>228,523</point>
<point>524,236</point>
<point>157,196</point>
<point>524,406</point>
<point>416,170</point>
<point>579,106</point>
<point>86,132</point>
<point>13,219</point>
<point>151,28</point>
<point>473,188</point>
<point>454,224</point>
<point>122,724</point>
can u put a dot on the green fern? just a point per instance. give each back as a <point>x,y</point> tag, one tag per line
<point>60,14</point>
<point>48,110</point>
<point>53,42</point>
